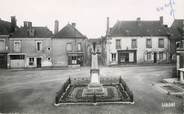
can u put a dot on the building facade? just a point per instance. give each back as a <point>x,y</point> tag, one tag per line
<point>69,47</point>
<point>97,43</point>
<point>180,60</point>
<point>6,29</point>
<point>30,47</point>
<point>138,42</point>
<point>3,51</point>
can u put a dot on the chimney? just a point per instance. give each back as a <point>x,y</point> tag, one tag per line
<point>29,24</point>
<point>56,26</point>
<point>74,25</point>
<point>138,21</point>
<point>107,29</point>
<point>161,20</point>
<point>25,24</point>
<point>13,24</point>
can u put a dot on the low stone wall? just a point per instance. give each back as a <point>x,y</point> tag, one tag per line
<point>126,88</point>
<point>62,91</point>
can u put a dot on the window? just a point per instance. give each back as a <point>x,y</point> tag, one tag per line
<point>134,43</point>
<point>161,43</point>
<point>31,61</point>
<point>17,46</point>
<point>16,57</point>
<point>79,46</point>
<point>161,55</point>
<point>118,44</point>
<point>2,45</point>
<point>38,45</point>
<point>149,56</point>
<point>49,58</point>
<point>148,43</point>
<point>113,56</point>
<point>74,60</point>
<point>69,47</point>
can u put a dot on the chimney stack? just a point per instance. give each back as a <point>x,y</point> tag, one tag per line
<point>138,19</point>
<point>13,24</point>
<point>27,24</point>
<point>74,25</point>
<point>161,20</point>
<point>56,26</point>
<point>107,31</point>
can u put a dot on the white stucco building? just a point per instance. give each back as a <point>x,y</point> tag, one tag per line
<point>138,42</point>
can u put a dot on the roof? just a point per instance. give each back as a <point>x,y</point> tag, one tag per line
<point>139,28</point>
<point>36,32</point>
<point>69,31</point>
<point>176,29</point>
<point>5,27</point>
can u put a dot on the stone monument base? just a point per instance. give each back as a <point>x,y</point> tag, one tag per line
<point>94,89</point>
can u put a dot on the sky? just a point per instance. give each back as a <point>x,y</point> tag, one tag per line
<point>89,15</point>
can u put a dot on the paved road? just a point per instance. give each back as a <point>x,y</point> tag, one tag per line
<point>34,91</point>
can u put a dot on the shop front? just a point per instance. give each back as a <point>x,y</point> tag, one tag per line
<point>127,56</point>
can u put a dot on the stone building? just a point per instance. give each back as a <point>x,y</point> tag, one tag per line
<point>6,29</point>
<point>176,33</point>
<point>98,48</point>
<point>30,47</point>
<point>69,47</point>
<point>137,42</point>
<point>180,60</point>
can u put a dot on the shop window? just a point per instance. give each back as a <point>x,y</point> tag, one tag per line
<point>149,56</point>
<point>113,56</point>
<point>74,60</point>
<point>17,57</point>
<point>161,54</point>
<point>31,61</point>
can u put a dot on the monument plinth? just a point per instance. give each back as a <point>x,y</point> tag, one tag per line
<point>94,87</point>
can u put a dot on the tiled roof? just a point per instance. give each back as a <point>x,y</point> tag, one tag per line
<point>176,29</point>
<point>139,28</point>
<point>5,27</point>
<point>69,31</point>
<point>37,32</point>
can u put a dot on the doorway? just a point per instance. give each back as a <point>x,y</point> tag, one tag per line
<point>3,60</point>
<point>155,57</point>
<point>123,57</point>
<point>39,62</point>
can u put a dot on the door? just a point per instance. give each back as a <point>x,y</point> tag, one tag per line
<point>3,61</point>
<point>155,57</point>
<point>123,58</point>
<point>39,62</point>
